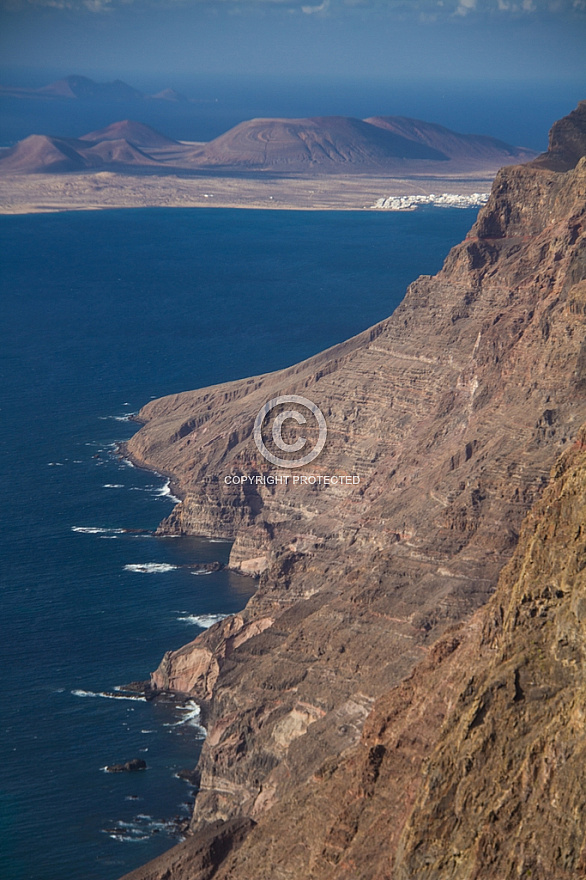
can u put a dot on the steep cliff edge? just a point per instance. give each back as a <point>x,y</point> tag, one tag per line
<point>452,413</point>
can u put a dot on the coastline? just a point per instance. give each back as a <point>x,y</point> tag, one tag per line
<point>106,190</point>
<point>333,632</point>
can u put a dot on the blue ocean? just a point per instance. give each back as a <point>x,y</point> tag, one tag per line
<point>100,312</point>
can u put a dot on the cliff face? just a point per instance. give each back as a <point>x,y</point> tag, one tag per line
<point>452,412</point>
<point>474,767</point>
<point>503,792</point>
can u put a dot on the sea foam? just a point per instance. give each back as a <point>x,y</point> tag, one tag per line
<point>96,530</point>
<point>106,695</point>
<point>151,567</point>
<point>203,620</point>
<point>191,718</point>
<point>165,492</point>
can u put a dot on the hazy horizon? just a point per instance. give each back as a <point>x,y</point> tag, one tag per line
<point>490,41</point>
<point>507,68</point>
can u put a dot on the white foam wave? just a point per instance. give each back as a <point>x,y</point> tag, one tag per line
<point>141,828</point>
<point>126,838</point>
<point>203,620</point>
<point>191,718</point>
<point>165,492</point>
<point>127,462</point>
<point>113,486</point>
<point>106,696</point>
<point>125,418</point>
<point>96,530</point>
<point>151,567</point>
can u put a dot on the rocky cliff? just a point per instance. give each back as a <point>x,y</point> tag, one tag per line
<point>474,767</point>
<point>452,413</point>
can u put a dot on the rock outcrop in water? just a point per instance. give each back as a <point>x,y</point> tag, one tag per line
<point>452,412</point>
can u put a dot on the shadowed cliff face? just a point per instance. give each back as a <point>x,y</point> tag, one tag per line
<point>452,412</point>
<point>475,766</point>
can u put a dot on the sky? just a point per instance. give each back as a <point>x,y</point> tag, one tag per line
<point>492,41</point>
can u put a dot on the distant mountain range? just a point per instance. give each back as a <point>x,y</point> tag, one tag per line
<point>393,145</point>
<point>85,89</point>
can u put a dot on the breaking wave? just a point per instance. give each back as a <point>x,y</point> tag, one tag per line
<point>107,695</point>
<point>151,567</point>
<point>140,828</point>
<point>203,620</point>
<point>191,717</point>
<point>165,492</point>
<point>96,530</point>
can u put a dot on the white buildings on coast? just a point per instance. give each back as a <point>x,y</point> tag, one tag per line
<point>444,200</point>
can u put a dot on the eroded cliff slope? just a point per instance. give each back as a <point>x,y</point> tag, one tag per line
<point>496,791</point>
<point>452,412</point>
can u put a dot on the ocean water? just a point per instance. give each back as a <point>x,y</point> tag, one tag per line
<point>518,113</point>
<point>99,313</point>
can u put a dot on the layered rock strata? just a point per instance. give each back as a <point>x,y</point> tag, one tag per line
<point>452,413</point>
<point>475,767</point>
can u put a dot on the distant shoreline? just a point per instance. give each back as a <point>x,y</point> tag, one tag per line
<point>104,190</point>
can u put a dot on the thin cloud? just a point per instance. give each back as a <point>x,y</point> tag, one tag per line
<point>465,7</point>
<point>421,10</point>
<point>316,10</point>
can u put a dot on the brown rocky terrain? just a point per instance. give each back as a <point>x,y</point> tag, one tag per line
<point>324,145</point>
<point>474,767</point>
<point>452,413</point>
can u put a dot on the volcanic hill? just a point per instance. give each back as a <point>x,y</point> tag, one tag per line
<point>325,698</point>
<point>321,145</point>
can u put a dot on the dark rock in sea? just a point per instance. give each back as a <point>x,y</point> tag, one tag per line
<point>205,566</point>
<point>135,687</point>
<point>191,776</point>
<point>127,766</point>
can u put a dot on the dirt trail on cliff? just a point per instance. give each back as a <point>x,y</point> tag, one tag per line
<point>453,412</point>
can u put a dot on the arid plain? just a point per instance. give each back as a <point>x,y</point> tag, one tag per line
<point>39,193</point>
